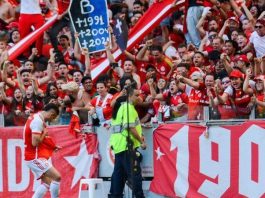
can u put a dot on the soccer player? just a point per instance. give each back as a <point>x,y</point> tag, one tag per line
<point>37,145</point>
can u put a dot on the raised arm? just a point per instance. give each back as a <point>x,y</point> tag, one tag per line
<point>109,54</point>
<point>248,13</point>
<point>247,48</point>
<point>263,65</point>
<point>151,84</point>
<point>7,100</point>
<point>220,99</point>
<point>35,86</point>
<point>246,87</point>
<point>8,81</point>
<point>222,31</point>
<point>262,15</point>
<point>50,73</point>
<point>211,98</point>
<point>77,49</point>
<point>188,81</point>
<point>142,53</point>
<point>87,62</point>
<point>226,62</point>
<point>130,55</point>
<point>34,53</point>
<point>111,59</point>
<point>199,25</point>
<point>20,83</point>
<point>257,67</point>
<point>113,41</point>
<point>201,47</point>
<point>236,8</point>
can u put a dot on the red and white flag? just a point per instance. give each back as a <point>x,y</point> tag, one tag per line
<point>77,159</point>
<point>229,163</point>
<point>24,43</point>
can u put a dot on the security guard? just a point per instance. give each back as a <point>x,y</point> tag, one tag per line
<point>127,163</point>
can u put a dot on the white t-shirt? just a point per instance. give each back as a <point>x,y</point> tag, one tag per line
<point>171,52</point>
<point>30,7</point>
<point>229,90</point>
<point>258,43</point>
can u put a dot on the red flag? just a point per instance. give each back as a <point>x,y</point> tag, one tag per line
<point>227,163</point>
<point>74,126</point>
<point>23,44</point>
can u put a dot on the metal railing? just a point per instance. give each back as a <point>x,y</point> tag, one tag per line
<point>206,121</point>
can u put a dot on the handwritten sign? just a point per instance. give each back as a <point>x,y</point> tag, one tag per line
<point>89,18</point>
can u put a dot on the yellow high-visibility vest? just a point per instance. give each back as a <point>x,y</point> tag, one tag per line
<point>118,138</point>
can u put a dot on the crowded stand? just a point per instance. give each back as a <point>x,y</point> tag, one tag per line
<point>209,54</point>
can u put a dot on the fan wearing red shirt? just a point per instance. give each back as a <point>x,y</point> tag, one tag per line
<point>67,50</point>
<point>141,69</point>
<point>177,101</point>
<point>198,65</point>
<point>195,88</point>
<point>260,99</point>
<point>241,96</point>
<point>63,71</point>
<point>226,110</point>
<point>18,117</point>
<point>101,104</point>
<point>162,63</point>
<point>35,137</point>
<point>23,81</point>
<point>230,48</point>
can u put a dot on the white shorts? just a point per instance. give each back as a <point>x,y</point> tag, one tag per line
<point>39,166</point>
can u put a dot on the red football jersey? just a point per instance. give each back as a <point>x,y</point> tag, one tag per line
<point>34,125</point>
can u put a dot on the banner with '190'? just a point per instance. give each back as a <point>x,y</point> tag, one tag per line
<point>230,163</point>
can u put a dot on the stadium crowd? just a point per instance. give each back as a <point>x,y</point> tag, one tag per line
<point>208,53</point>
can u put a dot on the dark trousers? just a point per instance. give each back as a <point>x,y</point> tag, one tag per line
<point>122,172</point>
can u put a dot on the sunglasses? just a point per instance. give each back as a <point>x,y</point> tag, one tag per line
<point>258,26</point>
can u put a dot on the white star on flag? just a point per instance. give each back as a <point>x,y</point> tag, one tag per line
<point>82,163</point>
<point>159,153</point>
